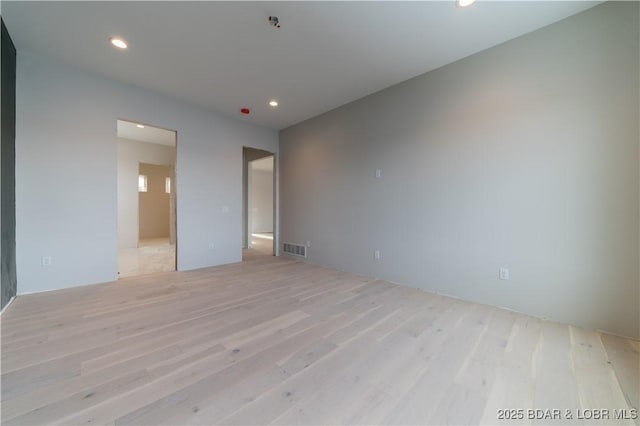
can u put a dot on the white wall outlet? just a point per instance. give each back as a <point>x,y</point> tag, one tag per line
<point>309,244</point>
<point>504,273</point>
<point>225,209</point>
<point>376,254</point>
<point>46,260</point>
<point>378,173</point>
<point>211,245</point>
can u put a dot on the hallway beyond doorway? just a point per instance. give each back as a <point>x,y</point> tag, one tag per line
<point>153,255</point>
<point>261,246</point>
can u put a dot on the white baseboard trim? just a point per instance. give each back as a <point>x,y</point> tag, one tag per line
<point>7,305</point>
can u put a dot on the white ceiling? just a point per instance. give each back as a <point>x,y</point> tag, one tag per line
<point>130,130</point>
<point>225,56</point>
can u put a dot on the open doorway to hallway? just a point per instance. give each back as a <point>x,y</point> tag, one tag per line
<point>259,204</point>
<point>146,199</point>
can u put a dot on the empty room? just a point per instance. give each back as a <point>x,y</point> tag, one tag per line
<point>320,213</point>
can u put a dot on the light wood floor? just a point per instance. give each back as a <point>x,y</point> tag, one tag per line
<point>276,341</point>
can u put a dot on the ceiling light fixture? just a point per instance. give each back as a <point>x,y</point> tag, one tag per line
<point>139,126</point>
<point>464,3</point>
<point>118,42</point>
<point>273,103</point>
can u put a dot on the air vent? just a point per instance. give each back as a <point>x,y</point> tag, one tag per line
<point>294,249</point>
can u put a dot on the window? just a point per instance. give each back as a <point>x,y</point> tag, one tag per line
<point>142,183</point>
<point>167,185</point>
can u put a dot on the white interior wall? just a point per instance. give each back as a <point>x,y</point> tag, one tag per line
<point>523,156</point>
<point>66,174</point>
<point>262,198</point>
<point>130,154</point>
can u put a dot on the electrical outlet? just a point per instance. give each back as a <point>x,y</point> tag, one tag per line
<point>211,245</point>
<point>504,274</point>
<point>46,260</point>
<point>376,254</point>
<point>378,173</point>
<point>309,244</point>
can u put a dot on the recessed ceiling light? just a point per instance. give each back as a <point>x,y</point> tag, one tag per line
<point>139,126</point>
<point>118,42</point>
<point>273,103</point>
<point>464,3</point>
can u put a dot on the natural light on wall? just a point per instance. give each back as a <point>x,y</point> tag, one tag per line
<point>142,183</point>
<point>167,185</point>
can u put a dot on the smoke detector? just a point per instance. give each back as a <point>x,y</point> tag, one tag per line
<point>274,22</point>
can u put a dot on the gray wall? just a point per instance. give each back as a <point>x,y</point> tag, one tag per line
<point>130,154</point>
<point>262,200</point>
<point>523,156</point>
<point>8,173</point>
<point>66,174</point>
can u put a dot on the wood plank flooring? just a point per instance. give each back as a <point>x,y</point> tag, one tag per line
<point>281,342</point>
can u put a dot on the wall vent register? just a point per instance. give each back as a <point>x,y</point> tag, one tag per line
<point>294,249</point>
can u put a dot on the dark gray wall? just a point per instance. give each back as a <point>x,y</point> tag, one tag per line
<point>523,156</point>
<point>8,154</point>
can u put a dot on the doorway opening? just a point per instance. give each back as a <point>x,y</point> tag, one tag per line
<point>259,221</point>
<point>147,230</point>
